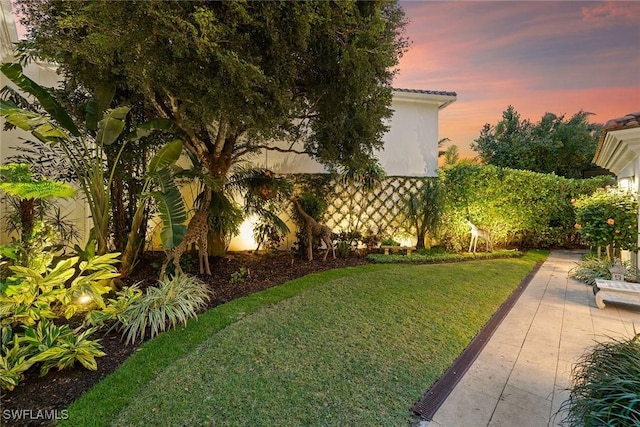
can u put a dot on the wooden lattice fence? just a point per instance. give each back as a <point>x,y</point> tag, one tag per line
<point>353,207</point>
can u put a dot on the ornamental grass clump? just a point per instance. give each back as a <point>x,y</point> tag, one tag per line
<point>606,386</point>
<point>591,268</point>
<point>608,218</point>
<point>174,300</point>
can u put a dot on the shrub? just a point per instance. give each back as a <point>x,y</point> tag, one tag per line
<point>13,359</point>
<point>53,346</point>
<point>29,296</point>
<point>389,241</point>
<point>30,302</point>
<point>239,276</point>
<point>591,268</point>
<point>60,347</point>
<point>347,242</point>
<point>606,386</point>
<point>608,218</point>
<point>437,256</point>
<point>519,207</point>
<point>174,300</point>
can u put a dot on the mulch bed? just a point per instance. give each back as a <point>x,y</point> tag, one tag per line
<point>59,388</point>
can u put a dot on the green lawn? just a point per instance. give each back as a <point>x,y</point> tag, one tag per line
<point>346,347</point>
<point>433,256</point>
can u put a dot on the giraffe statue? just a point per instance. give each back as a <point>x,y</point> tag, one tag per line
<point>313,229</point>
<point>197,232</point>
<point>478,232</point>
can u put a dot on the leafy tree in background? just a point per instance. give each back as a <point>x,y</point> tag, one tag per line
<point>553,145</point>
<point>233,76</point>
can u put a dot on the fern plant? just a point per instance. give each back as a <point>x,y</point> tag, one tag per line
<point>173,301</point>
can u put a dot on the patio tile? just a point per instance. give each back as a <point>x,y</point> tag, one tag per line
<point>518,407</point>
<point>523,375</point>
<point>557,411</point>
<point>466,407</point>
<point>536,378</point>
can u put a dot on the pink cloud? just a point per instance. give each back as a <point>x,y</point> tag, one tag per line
<point>608,13</point>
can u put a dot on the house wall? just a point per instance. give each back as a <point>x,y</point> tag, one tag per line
<point>410,145</point>
<point>410,149</point>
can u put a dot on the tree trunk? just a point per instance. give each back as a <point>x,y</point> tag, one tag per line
<point>119,213</point>
<point>420,243</point>
<point>27,218</point>
<point>217,245</point>
<point>131,250</point>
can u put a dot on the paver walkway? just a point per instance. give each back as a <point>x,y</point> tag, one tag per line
<point>522,375</point>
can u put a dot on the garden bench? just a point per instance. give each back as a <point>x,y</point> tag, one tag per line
<point>393,248</point>
<point>616,291</point>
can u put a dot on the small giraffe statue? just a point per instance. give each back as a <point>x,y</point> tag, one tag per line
<point>479,232</point>
<point>197,231</point>
<point>313,229</point>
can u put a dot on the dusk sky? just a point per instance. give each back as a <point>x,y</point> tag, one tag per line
<point>559,57</point>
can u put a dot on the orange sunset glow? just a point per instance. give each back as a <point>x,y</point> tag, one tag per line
<point>539,56</point>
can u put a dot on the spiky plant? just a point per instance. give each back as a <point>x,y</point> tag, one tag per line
<point>591,268</point>
<point>175,300</point>
<point>606,386</point>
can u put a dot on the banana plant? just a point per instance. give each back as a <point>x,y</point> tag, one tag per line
<point>160,179</point>
<point>84,147</point>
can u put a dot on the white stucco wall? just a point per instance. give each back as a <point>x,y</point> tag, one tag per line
<point>410,145</point>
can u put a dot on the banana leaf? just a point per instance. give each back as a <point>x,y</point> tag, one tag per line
<point>172,211</point>
<point>165,157</point>
<point>95,108</point>
<point>14,73</point>
<point>111,125</point>
<point>148,127</point>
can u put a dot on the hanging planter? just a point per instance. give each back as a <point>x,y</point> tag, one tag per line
<point>267,190</point>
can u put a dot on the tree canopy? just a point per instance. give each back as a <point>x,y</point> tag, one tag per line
<point>553,145</point>
<point>235,75</point>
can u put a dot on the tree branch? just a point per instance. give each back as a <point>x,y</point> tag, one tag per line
<point>281,150</point>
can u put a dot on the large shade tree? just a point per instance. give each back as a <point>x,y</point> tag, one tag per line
<point>235,76</point>
<point>555,144</point>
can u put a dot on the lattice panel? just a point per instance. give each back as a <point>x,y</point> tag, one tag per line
<point>378,211</point>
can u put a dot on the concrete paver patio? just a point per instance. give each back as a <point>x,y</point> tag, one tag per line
<point>522,375</point>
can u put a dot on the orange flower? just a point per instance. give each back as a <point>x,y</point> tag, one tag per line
<point>610,221</point>
<point>617,231</point>
<point>578,226</point>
